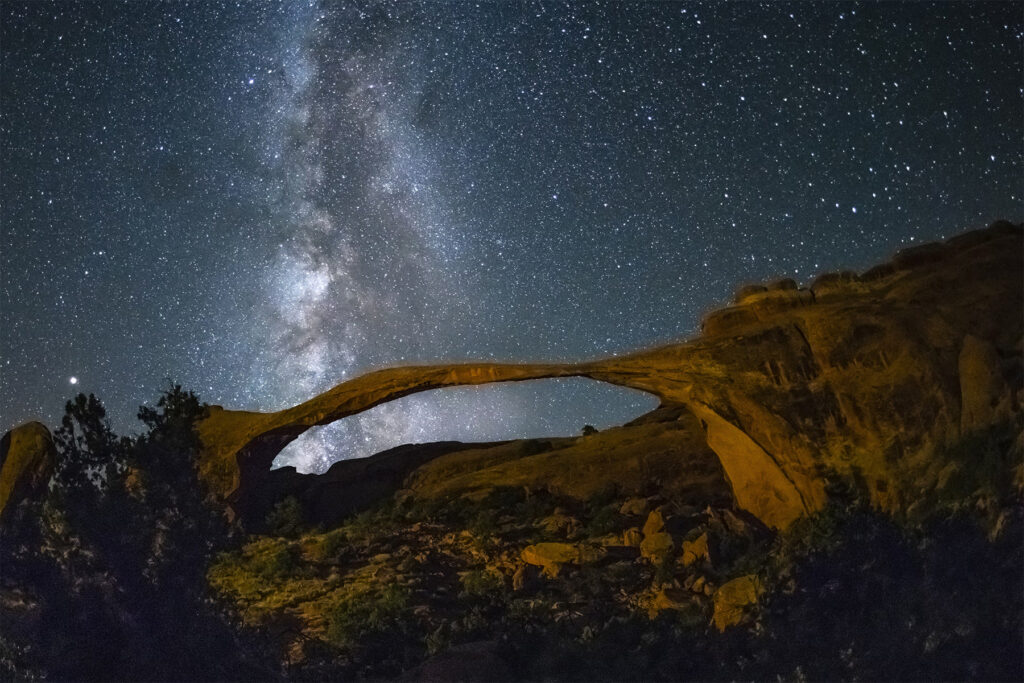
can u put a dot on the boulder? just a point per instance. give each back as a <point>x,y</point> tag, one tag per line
<point>637,507</point>
<point>559,523</point>
<point>608,540</point>
<point>519,578</point>
<point>655,523</point>
<point>696,550</point>
<point>632,537</point>
<point>733,600</point>
<point>550,556</point>
<point>655,547</point>
<point>656,543</point>
<point>746,291</point>
<point>784,285</point>
<point>27,459</point>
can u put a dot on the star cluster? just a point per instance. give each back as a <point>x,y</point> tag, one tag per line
<point>260,200</point>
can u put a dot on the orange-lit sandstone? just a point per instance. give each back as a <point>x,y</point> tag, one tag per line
<point>785,384</point>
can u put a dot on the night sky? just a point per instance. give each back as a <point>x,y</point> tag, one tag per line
<point>259,200</point>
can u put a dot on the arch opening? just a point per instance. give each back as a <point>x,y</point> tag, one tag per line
<point>490,412</point>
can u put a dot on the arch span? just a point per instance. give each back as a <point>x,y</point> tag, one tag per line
<point>502,411</point>
<point>240,447</point>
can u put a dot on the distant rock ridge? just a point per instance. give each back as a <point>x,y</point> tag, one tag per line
<point>872,378</point>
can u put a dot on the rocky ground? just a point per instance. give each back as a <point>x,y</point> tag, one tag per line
<point>526,585</point>
<point>470,570</point>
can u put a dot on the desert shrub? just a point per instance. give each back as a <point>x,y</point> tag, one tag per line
<point>485,524</point>
<point>437,640</point>
<point>515,501</point>
<point>368,613</point>
<point>330,545</point>
<point>605,521</point>
<point>276,564</point>
<point>478,583</point>
<point>286,518</point>
<point>603,497</point>
<point>380,520</point>
<point>933,602</point>
<point>665,569</point>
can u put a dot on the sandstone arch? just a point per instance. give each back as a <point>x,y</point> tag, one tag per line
<point>862,382</point>
<point>877,379</point>
<point>240,446</point>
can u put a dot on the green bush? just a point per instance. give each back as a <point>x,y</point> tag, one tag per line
<point>480,583</point>
<point>277,564</point>
<point>919,603</point>
<point>377,521</point>
<point>664,572</point>
<point>367,613</point>
<point>328,546</point>
<point>485,524</point>
<point>332,543</point>
<point>286,518</point>
<point>605,521</point>
<point>603,497</point>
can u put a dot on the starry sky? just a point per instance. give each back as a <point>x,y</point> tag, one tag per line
<point>259,200</point>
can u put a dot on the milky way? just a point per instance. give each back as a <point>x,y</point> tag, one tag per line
<point>261,200</point>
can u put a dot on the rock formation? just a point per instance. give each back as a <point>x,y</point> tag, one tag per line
<point>26,463</point>
<point>873,377</point>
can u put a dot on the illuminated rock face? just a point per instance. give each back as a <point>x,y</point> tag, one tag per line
<point>26,463</point>
<point>874,378</point>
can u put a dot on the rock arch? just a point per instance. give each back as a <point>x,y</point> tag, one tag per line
<point>868,380</point>
<point>239,447</point>
<point>874,379</point>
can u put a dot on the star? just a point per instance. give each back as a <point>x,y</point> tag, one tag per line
<point>422,182</point>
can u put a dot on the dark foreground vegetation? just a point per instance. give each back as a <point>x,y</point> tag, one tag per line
<point>126,571</point>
